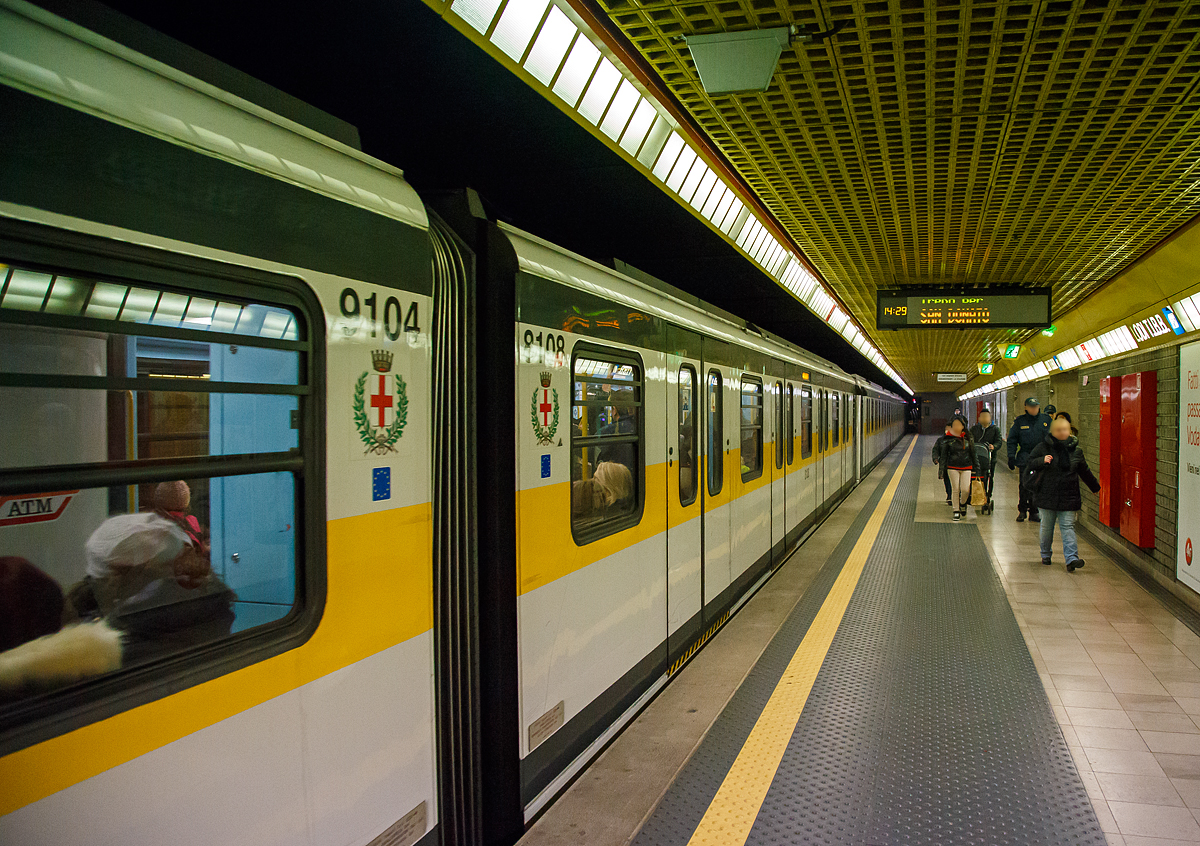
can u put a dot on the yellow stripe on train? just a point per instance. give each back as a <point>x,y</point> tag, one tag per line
<point>379,594</point>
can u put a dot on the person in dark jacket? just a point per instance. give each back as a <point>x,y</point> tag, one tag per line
<point>955,452</point>
<point>1062,415</point>
<point>942,474</point>
<point>1052,475</point>
<point>1027,432</point>
<point>988,433</point>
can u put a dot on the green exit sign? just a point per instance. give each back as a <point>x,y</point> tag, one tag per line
<point>1049,331</point>
<point>1012,351</point>
<point>985,369</point>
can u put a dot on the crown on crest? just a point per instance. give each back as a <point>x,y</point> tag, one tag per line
<point>545,378</point>
<point>381,360</point>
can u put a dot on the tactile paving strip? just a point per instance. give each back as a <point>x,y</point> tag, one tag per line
<point>684,804</point>
<point>927,723</point>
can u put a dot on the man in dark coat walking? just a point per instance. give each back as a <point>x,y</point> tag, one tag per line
<point>988,433</point>
<point>1027,432</point>
<point>1052,475</point>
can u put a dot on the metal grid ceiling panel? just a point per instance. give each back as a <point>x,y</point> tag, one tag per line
<point>934,142</point>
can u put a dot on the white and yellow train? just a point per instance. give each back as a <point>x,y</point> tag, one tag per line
<point>323,520</point>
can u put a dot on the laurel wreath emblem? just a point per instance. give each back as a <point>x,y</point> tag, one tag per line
<point>544,434</point>
<point>379,440</point>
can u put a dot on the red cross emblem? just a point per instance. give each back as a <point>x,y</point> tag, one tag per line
<point>545,408</point>
<point>382,400</point>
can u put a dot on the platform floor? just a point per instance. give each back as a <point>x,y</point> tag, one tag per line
<point>907,680</point>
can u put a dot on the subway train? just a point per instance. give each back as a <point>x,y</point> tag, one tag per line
<point>325,518</point>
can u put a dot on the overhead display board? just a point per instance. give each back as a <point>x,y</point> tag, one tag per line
<point>942,308</point>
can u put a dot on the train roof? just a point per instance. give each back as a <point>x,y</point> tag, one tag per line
<point>653,296</point>
<point>65,62</point>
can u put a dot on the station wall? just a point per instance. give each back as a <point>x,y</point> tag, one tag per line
<point>1078,393</point>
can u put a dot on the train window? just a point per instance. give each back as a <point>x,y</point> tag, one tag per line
<point>835,410</point>
<point>806,428</point>
<point>158,493</point>
<point>715,454</point>
<point>752,428</point>
<point>607,460</point>
<point>780,418</point>
<point>687,435</point>
<point>790,432</point>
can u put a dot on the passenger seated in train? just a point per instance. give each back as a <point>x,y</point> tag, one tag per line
<point>148,589</point>
<point>37,652</point>
<point>687,456</point>
<point>150,575</point>
<point>620,422</point>
<point>615,484</point>
<point>609,489</point>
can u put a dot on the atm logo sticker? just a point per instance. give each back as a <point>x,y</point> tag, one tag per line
<point>33,508</point>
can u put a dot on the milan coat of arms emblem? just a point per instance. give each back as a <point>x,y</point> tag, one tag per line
<point>543,411</point>
<point>379,435</point>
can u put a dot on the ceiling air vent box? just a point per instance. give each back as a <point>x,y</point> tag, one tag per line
<point>737,61</point>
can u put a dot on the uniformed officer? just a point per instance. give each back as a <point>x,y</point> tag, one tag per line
<point>1027,431</point>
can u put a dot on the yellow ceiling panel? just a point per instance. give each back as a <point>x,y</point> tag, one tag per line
<point>973,143</point>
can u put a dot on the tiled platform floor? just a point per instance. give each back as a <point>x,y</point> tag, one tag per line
<point>1122,674</point>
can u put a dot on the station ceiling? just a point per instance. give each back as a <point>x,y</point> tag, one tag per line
<point>953,143</point>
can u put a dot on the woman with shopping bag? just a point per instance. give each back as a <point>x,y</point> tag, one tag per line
<point>955,452</point>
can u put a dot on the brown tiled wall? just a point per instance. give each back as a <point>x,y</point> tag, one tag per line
<point>1159,560</point>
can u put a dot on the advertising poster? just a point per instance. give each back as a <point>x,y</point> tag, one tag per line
<point>1187,557</point>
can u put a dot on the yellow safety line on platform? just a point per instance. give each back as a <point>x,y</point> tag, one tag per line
<point>730,816</point>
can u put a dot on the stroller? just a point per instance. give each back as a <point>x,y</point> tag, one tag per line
<point>985,473</point>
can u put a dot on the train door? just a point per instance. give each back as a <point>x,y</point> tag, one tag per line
<point>809,500</point>
<point>856,435</point>
<point>782,437</point>
<point>822,438</point>
<point>247,552</point>
<point>721,397</point>
<point>685,495</point>
<point>831,465</point>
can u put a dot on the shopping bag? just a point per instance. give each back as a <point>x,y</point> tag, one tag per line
<point>978,494</point>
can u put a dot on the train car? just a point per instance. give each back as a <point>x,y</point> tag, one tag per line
<point>215,337</point>
<point>324,519</point>
<point>668,460</point>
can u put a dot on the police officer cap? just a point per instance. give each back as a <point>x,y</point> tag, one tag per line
<point>1032,401</point>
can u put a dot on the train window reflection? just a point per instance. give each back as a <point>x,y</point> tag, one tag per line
<point>715,431</point>
<point>790,432</point>
<point>779,431</point>
<point>752,428</point>
<point>162,545</point>
<point>806,427</point>
<point>688,424</point>
<point>607,460</point>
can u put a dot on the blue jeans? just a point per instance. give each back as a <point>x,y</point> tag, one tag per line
<point>1066,525</point>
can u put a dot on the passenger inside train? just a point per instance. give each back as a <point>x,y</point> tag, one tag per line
<point>141,569</point>
<point>605,444</point>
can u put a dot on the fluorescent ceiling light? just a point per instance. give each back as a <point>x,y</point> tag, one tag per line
<point>478,13</point>
<point>577,71</point>
<point>551,46</point>
<point>621,110</point>
<point>599,92</point>
<point>518,23</point>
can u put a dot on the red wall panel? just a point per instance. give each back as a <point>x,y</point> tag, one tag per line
<point>1139,456</point>
<point>1108,469</point>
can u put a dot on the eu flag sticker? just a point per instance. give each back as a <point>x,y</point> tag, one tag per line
<point>545,466</point>
<point>381,483</point>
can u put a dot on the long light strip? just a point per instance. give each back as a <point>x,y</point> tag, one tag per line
<point>566,59</point>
